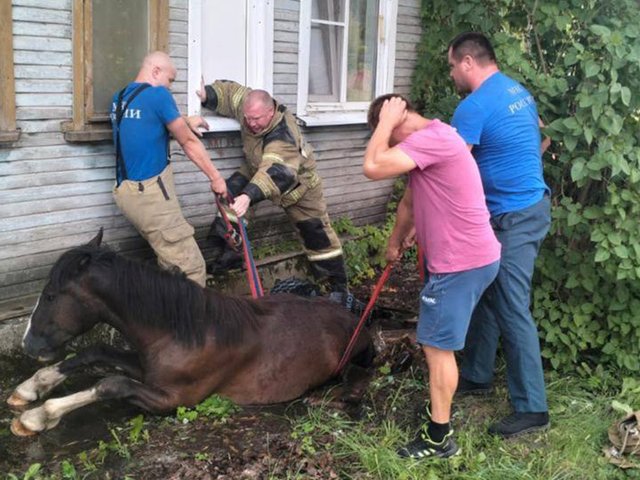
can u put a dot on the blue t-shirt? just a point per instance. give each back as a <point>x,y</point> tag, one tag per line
<point>500,120</point>
<point>144,138</point>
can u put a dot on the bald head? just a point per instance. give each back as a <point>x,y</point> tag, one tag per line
<point>260,98</point>
<point>258,110</point>
<point>157,69</point>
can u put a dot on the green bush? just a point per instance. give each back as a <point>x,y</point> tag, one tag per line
<point>581,61</point>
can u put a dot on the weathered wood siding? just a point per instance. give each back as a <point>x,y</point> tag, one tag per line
<point>55,195</point>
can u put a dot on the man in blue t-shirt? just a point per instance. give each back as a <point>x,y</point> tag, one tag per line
<point>143,116</point>
<point>499,121</point>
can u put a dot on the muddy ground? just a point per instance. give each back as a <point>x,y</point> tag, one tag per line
<point>255,443</point>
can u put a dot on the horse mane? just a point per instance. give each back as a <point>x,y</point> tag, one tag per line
<point>159,298</point>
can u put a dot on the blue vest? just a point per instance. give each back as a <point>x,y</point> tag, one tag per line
<point>144,138</point>
<point>500,120</point>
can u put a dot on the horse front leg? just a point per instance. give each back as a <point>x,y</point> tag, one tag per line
<point>48,415</point>
<point>47,378</point>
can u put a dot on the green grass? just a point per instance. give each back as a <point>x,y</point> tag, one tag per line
<point>571,449</point>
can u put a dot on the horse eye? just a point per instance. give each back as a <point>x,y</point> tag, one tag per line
<point>49,297</point>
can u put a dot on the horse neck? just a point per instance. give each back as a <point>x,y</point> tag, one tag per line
<point>113,312</point>
<point>144,303</point>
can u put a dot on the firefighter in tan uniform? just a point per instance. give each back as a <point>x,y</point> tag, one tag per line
<point>280,166</point>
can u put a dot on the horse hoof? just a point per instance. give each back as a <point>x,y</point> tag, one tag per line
<point>19,430</point>
<point>17,401</point>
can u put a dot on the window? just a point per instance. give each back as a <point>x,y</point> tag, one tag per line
<point>8,130</point>
<point>231,40</point>
<point>346,57</point>
<point>110,39</point>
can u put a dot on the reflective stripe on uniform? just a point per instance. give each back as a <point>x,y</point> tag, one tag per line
<point>262,183</point>
<point>237,98</point>
<point>274,157</point>
<point>325,256</point>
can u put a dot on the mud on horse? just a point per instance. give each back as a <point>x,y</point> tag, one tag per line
<point>187,342</point>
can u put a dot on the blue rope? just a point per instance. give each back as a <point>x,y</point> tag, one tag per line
<point>252,265</point>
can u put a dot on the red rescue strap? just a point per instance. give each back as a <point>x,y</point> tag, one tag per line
<point>231,235</point>
<point>365,314</point>
<point>234,241</point>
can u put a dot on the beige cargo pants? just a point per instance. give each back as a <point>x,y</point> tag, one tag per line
<point>152,207</point>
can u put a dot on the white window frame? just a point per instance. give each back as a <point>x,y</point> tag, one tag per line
<point>259,56</point>
<point>336,113</point>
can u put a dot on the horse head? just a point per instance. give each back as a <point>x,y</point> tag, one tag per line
<point>63,310</point>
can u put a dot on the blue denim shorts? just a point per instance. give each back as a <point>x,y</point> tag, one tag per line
<point>446,304</point>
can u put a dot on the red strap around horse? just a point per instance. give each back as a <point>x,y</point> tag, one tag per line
<point>365,314</point>
<point>231,236</point>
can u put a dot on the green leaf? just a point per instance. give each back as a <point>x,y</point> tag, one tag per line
<point>602,256</point>
<point>573,219</point>
<point>591,68</point>
<point>614,238</point>
<point>577,170</point>
<point>571,58</point>
<point>570,142</point>
<point>32,471</point>
<point>571,123</point>
<point>600,30</point>
<point>621,251</point>
<point>625,96</point>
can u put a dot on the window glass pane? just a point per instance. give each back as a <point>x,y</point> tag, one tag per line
<point>224,40</point>
<point>362,50</point>
<point>328,10</point>
<point>120,42</point>
<point>325,63</point>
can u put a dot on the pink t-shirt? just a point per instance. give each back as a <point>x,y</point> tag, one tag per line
<point>449,209</point>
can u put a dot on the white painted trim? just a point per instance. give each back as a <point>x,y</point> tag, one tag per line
<point>259,54</point>
<point>260,44</point>
<point>348,112</point>
<point>387,47</point>
<point>221,124</point>
<point>194,49</point>
<point>304,44</point>
<point>320,119</point>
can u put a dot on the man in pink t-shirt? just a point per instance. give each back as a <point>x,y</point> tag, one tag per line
<point>444,209</point>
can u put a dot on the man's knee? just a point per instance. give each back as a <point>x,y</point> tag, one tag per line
<point>313,234</point>
<point>177,247</point>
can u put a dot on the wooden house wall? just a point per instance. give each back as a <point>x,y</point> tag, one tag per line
<point>55,195</point>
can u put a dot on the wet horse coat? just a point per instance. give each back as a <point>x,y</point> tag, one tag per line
<point>187,342</point>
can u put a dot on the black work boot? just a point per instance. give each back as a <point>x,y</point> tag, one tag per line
<point>467,387</point>
<point>519,423</point>
<point>229,260</point>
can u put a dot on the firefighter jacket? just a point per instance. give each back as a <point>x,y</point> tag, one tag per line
<point>280,165</point>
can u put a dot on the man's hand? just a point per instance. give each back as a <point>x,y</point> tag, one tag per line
<point>201,92</point>
<point>410,240</point>
<point>240,204</point>
<point>393,253</point>
<point>219,186</point>
<point>393,112</point>
<point>196,122</point>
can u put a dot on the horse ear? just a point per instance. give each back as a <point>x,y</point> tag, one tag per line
<point>97,240</point>
<point>84,263</point>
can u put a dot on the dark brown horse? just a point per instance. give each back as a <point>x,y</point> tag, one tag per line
<point>187,342</point>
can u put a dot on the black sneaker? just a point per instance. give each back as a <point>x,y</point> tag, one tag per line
<point>520,423</point>
<point>423,447</point>
<point>467,387</point>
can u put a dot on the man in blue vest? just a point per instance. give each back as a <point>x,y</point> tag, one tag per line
<point>143,115</point>
<point>499,121</point>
